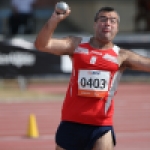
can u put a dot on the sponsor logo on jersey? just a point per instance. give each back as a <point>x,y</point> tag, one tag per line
<point>93,72</point>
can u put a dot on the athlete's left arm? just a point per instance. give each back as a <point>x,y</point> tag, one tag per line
<point>136,62</point>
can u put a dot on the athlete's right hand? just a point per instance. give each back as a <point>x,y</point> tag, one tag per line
<point>59,17</point>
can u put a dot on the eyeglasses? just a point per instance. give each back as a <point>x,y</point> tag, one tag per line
<point>105,19</point>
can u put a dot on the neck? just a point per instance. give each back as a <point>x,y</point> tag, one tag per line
<point>100,44</point>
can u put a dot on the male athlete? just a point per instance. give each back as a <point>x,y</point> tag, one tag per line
<point>97,64</point>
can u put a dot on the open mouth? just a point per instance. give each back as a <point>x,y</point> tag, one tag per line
<point>106,30</point>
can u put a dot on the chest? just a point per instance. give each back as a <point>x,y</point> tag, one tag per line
<point>98,60</point>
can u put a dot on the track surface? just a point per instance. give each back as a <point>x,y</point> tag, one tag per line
<point>131,120</point>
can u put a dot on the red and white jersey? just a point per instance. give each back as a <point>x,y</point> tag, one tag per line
<point>93,83</point>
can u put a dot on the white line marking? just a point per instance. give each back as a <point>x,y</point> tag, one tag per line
<point>16,138</point>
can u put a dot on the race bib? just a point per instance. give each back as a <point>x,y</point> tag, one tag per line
<point>93,83</point>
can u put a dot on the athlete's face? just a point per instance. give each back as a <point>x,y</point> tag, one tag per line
<point>106,26</point>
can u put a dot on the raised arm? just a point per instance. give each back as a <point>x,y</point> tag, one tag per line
<point>46,43</point>
<point>135,61</point>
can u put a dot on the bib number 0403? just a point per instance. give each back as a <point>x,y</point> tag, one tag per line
<point>93,83</point>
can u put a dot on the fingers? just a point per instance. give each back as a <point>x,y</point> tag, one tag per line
<point>62,16</point>
<point>56,17</point>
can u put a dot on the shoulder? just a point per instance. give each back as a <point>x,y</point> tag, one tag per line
<point>125,52</point>
<point>78,39</point>
<point>75,40</point>
<point>128,57</point>
<point>124,55</point>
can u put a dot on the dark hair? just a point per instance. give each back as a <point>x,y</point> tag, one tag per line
<point>104,9</point>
